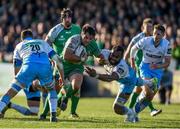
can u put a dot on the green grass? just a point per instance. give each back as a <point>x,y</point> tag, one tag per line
<point>95,113</point>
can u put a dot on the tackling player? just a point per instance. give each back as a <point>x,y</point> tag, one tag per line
<point>121,72</point>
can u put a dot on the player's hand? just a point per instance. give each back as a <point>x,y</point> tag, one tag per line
<point>154,66</point>
<point>90,71</point>
<point>101,60</point>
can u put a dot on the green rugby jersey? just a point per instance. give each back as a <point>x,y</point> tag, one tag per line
<point>58,35</point>
<point>72,43</point>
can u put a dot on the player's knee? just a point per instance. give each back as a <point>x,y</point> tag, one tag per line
<point>77,94</point>
<point>138,89</point>
<point>118,109</point>
<point>52,94</point>
<point>34,110</point>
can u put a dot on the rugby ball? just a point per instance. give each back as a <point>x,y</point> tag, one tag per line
<point>81,51</point>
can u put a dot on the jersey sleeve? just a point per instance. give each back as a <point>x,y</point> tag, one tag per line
<point>168,50</point>
<point>53,33</point>
<point>120,71</point>
<point>17,60</point>
<point>141,43</point>
<point>72,43</point>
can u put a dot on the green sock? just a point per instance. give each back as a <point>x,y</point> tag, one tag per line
<point>151,107</point>
<point>133,100</point>
<point>74,104</point>
<point>46,107</point>
<point>70,91</point>
<point>59,96</point>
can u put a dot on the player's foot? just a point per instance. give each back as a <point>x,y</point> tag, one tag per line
<point>155,84</point>
<point>155,112</point>
<point>131,117</point>
<point>4,110</point>
<point>42,117</point>
<point>74,116</point>
<point>53,117</point>
<point>1,115</point>
<point>63,104</point>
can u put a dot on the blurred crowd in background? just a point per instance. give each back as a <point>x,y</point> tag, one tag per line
<point>116,21</point>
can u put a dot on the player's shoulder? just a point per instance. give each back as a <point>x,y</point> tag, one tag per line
<point>75,38</point>
<point>138,37</point>
<point>57,28</point>
<point>19,45</point>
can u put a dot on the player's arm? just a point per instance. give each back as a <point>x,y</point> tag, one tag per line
<point>128,50</point>
<point>58,64</point>
<point>104,77</point>
<point>17,61</point>
<point>70,56</point>
<point>17,65</point>
<point>133,52</point>
<point>69,52</point>
<point>48,41</point>
<point>167,61</point>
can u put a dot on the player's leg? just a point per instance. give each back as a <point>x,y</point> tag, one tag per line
<point>118,106</point>
<point>76,80</point>
<point>46,80</point>
<point>33,102</point>
<point>168,94</point>
<point>134,96</point>
<point>22,80</point>
<point>5,100</point>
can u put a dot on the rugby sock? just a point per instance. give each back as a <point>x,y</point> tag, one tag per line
<point>74,104</point>
<point>133,100</point>
<point>52,100</point>
<point>44,96</point>
<point>21,109</point>
<point>4,101</point>
<point>151,107</point>
<point>140,105</point>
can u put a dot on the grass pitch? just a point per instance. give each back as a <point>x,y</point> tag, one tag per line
<point>94,113</point>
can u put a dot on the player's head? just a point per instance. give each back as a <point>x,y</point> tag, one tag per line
<point>147,26</point>
<point>88,34</point>
<point>66,17</point>
<point>26,34</point>
<point>116,55</point>
<point>158,32</point>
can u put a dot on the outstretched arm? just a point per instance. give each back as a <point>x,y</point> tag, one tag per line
<point>103,77</point>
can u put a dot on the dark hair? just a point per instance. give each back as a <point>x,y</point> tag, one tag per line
<point>66,11</point>
<point>159,27</point>
<point>88,29</point>
<point>118,48</point>
<point>147,20</point>
<point>26,33</point>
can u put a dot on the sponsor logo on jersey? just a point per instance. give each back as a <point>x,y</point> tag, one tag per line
<point>153,56</point>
